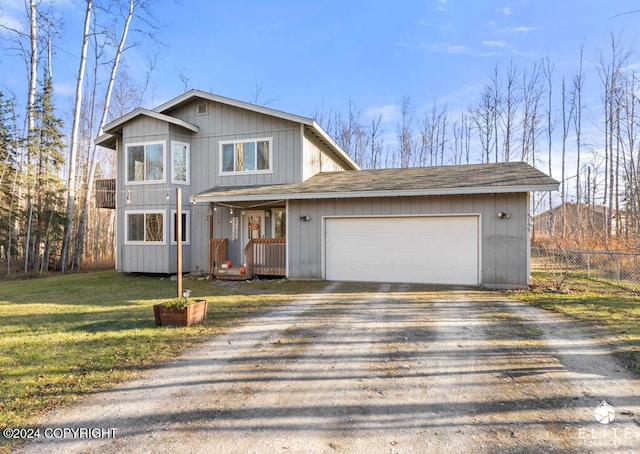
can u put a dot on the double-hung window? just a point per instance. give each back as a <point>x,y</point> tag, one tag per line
<point>144,227</point>
<point>245,156</point>
<point>145,162</point>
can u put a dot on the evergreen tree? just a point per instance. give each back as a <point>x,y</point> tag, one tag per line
<point>8,174</point>
<point>49,185</point>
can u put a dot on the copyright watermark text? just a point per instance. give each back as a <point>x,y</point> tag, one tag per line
<point>58,433</point>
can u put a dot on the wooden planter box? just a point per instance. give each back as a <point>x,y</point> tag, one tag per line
<point>173,316</point>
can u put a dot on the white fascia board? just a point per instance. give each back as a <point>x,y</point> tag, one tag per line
<point>114,125</point>
<point>372,194</point>
<point>333,143</point>
<point>192,94</point>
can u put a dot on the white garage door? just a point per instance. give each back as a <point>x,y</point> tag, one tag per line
<point>422,249</point>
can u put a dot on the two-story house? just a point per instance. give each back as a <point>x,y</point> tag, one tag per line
<point>274,193</point>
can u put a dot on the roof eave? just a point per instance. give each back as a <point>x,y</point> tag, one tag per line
<point>375,194</point>
<point>192,94</point>
<point>341,153</point>
<point>107,141</point>
<point>117,124</point>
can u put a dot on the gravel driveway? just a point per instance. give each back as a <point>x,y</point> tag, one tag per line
<point>397,370</point>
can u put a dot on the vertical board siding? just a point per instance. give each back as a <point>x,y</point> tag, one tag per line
<point>315,159</point>
<point>224,123</point>
<point>153,196</point>
<point>503,243</point>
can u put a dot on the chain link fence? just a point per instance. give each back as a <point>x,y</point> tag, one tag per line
<point>620,269</point>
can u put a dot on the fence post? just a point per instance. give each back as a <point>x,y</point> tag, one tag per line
<point>618,268</point>
<point>588,266</point>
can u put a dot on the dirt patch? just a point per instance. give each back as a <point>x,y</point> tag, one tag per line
<point>393,370</point>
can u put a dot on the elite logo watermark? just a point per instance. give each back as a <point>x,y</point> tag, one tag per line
<point>605,413</point>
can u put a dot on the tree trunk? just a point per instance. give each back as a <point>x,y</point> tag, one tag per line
<point>33,81</point>
<point>73,151</point>
<point>84,218</point>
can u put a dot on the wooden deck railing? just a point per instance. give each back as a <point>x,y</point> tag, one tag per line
<point>266,256</point>
<point>217,253</point>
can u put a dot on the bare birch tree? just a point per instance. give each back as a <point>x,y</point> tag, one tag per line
<point>568,109</point>
<point>511,105</point>
<point>84,217</point>
<point>73,150</point>
<point>482,115</point>
<point>404,133</point>
<point>375,143</point>
<point>547,70</point>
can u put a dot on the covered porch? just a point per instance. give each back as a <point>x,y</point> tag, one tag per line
<point>248,240</point>
<point>264,257</point>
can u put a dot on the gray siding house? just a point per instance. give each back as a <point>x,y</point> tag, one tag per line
<point>270,193</point>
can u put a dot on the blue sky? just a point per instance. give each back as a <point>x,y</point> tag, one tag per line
<point>308,55</point>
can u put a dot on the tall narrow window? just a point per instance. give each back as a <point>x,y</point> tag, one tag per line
<point>279,220</point>
<point>179,162</point>
<point>174,227</point>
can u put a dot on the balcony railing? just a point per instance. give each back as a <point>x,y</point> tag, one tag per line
<point>106,194</point>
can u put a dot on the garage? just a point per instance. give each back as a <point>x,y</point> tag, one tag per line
<point>412,249</point>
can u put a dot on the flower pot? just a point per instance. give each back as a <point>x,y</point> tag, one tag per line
<point>195,312</point>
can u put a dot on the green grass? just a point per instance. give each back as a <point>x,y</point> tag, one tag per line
<point>509,326</point>
<point>612,312</point>
<point>64,336</point>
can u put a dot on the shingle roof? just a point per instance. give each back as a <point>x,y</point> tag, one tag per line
<point>463,179</point>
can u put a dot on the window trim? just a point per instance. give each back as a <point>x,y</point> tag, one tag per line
<point>188,164</point>
<point>221,144</point>
<point>145,242</point>
<point>144,144</point>
<point>186,229</point>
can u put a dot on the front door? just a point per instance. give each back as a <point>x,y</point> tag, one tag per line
<point>252,226</point>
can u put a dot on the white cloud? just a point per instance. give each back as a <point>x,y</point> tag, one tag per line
<point>64,89</point>
<point>512,30</point>
<point>388,112</point>
<point>506,11</point>
<point>13,13</point>
<point>523,29</point>
<point>8,21</point>
<point>631,67</point>
<point>442,5</point>
<point>496,43</point>
<point>456,49</point>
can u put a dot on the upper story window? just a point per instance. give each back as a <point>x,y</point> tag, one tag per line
<point>145,162</point>
<point>245,156</point>
<point>179,162</point>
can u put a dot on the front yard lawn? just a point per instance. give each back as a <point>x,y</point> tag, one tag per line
<point>64,336</point>
<point>613,313</point>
